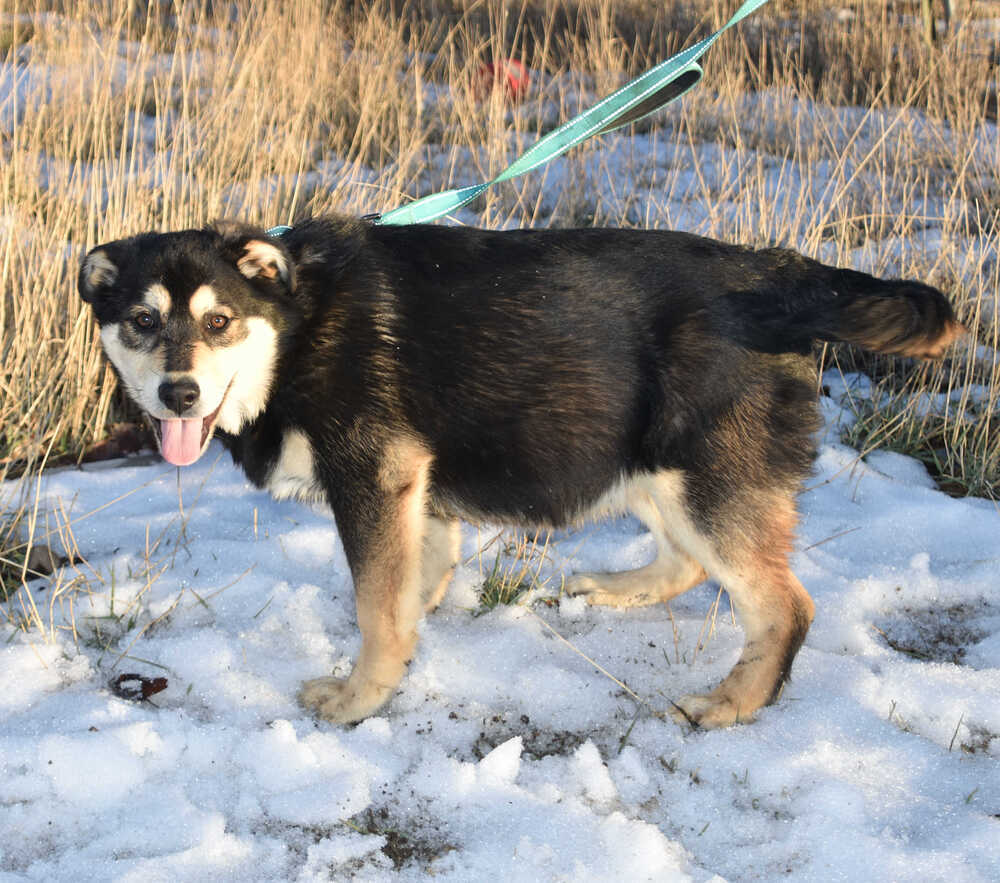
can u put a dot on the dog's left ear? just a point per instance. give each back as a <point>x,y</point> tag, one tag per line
<point>255,254</point>
<point>263,258</point>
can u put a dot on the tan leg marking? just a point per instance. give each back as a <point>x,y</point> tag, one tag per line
<point>387,593</point>
<point>442,547</point>
<point>774,610</point>
<point>669,575</point>
<point>749,556</point>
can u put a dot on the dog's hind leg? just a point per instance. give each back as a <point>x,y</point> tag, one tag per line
<point>382,524</point>
<point>442,546</point>
<point>746,547</point>
<point>671,573</point>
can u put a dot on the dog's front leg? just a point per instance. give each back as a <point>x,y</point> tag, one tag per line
<point>381,523</point>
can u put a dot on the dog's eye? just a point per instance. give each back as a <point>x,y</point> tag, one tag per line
<point>144,321</point>
<point>217,322</point>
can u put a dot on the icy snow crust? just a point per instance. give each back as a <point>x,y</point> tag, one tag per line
<point>504,751</point>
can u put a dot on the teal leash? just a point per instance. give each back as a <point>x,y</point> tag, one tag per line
<point>636,100</point>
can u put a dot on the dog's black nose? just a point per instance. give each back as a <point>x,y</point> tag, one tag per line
<point>180,395</point>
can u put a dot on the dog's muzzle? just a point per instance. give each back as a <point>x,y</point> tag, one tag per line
<point>184,439</point>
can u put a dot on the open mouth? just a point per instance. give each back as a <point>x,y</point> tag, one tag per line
<point>183,440</point>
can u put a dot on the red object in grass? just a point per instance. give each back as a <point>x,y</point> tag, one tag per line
<point>510,75</point>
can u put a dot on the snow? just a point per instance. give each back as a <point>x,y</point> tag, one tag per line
<point>505,749</point>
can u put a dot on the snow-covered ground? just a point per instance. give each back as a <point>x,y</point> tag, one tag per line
<point>505,753</point>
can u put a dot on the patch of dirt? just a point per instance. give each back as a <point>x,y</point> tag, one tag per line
<point>937,634</point>
<point>406,842</point>
<point>537,742</point>
<point>978,740</point>
<point>121,440</point>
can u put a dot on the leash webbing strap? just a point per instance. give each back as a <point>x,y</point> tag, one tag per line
<point>638,99</point>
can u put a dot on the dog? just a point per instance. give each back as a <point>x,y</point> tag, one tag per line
<point>412,376</point>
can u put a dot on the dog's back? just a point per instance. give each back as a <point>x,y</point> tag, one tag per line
<point>592,354</point>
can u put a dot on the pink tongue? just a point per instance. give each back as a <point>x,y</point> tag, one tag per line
<point>181,441</point>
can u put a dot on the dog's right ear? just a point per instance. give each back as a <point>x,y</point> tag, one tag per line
<point>99,271</point>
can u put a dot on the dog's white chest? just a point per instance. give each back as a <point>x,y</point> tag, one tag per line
<point>294,474</point>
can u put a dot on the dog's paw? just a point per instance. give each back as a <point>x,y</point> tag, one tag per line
<point>342,701</point>
<point>710,712</point>
<point>602,590</point>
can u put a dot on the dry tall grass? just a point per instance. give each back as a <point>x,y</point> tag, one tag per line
<point>129,116</point>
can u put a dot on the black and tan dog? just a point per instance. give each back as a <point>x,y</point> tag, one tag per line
<point>410,376</point>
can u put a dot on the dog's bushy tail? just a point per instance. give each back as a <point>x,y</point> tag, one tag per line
<point>811,302</point>
<point>897,317</point>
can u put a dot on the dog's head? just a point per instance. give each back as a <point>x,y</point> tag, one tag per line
<point>191,322</point>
